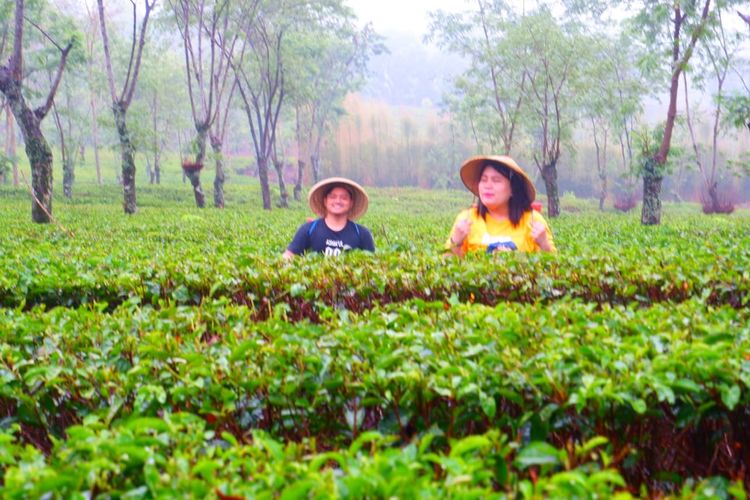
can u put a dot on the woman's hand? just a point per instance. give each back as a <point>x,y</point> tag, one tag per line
<point>539,234</point>
<point>461,231</point>
<point>458,236</point>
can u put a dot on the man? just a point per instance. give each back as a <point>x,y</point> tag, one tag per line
<point>338,202</point>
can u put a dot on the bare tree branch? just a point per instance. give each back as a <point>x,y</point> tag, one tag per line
<point>182,22</point>
<point>132,51</point>
<point>42,111</point>
<point>144,25</point>
<point>44,33</point>
<point>679,63</point>
<point>107,56</point>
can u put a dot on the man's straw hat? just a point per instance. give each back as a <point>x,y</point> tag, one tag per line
<point>318,192</point>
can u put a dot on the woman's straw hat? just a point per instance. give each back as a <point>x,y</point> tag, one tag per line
<point>318,192</point>
<point>472,169</point>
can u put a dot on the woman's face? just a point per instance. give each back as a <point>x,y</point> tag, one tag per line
<point>338,202</point>
<point>494,188</point>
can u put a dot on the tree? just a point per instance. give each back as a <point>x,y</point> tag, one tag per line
<point>121,102</point>
<point>490,93</point>
<point>67,113</point>
<point>610,103</point>
<point>91,35</point>
<point>68,123</point>
<point>738,104</point>
<point>718,53</point>
<point>259,72</point>
<point>331,62</point>
<point>688,23</point>
<point>37,149</point>
<point>208,47</point>
<point>668,33</point>
<point>159,102</point>
<point>551,56</point>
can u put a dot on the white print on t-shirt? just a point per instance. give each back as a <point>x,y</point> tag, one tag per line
<point>335,247</point>
<point>488,239</point>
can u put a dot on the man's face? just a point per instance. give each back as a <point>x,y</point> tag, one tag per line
<point>338,202</point>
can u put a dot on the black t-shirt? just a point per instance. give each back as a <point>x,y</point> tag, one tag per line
<point>317,236</point>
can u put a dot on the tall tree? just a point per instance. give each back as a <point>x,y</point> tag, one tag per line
<point>688,22</point>
<point>611,102</point>
<point>121,102</point>
<point>37,149</point>
<point>92,34</point>
<point>490,93</point>
<point>259,71</point>
<point>718,52</point>
<point>208,47</point>
<point>331,62</point>
<point>70,141</point>
<point>160,100</point>
<point>667,33</point>
<point>551,56</point>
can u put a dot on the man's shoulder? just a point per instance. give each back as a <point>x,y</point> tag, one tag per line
<point>357,226</point>
<point>312,225</point>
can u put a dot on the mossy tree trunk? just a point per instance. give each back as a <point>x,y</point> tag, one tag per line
<point>549,174</point>
<point>127,155</point>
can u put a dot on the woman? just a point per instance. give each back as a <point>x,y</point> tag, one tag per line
<point>503,219</point>
<point>338,202</point>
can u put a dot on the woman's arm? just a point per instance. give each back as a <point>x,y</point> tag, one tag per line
<point>459,233</point>
<point>541,233</point>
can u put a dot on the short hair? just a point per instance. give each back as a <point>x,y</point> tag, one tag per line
<point>335,185</point>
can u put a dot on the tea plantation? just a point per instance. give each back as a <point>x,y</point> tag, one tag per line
<point>174,354</point>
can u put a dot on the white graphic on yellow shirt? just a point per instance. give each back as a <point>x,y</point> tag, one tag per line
<point>494,242</point>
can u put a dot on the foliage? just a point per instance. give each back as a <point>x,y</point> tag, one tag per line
<point>192,363</point>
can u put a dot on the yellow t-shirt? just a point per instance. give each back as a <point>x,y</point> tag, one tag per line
<point>495,233</point>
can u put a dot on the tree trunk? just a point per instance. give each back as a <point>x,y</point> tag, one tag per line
<point>713,196</point>
<point>300,162</point>
<point>10,144</point>
<point>149,170</point>
<point>195,175</point>
<point>651,211</point>
<point>95,137</point>
<point>67,158</point>
<point>315,163</point>
<point>298,184</point>
<point>37,150</point>
<point>179,146</point>
<point>68,175</point>
<point>219,178</point>
<point>127,153</point>
<point>284,201</point>
<point>195,180</point>
<point>40,158</point>
<point>157,167</point>
<point>157,148</point>
<point>264,186</point>
<point>601,162</point>
<point>549,174</point>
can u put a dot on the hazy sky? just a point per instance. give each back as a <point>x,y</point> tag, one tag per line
<point>401,15</point>
<point>411,15</point>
